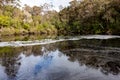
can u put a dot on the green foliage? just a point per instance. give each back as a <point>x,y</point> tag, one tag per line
<point>81,17</point>
<point>91,17</point>
<point>5,21</point>
<point>26,26</point>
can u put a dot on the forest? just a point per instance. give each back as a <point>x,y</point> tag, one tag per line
<point>80,17</point>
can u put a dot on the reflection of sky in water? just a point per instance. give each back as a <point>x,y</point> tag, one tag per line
<point>2,74</point>
<point>75,60</point>
<point>55,66</point>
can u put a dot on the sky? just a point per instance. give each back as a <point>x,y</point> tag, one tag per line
<point>56,3</point>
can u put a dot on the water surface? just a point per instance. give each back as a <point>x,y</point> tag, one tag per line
<point>92,57</point>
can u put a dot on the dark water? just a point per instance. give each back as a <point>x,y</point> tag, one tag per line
<point>68,58</point>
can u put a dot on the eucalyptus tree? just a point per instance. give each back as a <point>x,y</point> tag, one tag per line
<point>91,16</point>
<point>8,2</point>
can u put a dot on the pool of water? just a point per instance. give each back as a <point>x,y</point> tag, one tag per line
<point>92,57</point>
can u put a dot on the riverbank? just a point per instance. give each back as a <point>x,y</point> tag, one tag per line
<point>26,37</point>
<point>33,31</point>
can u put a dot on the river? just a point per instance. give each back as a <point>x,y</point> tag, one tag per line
<point>90,57</point>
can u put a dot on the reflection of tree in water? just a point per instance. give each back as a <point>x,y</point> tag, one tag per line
<point>109,62</point>
<point>11,66</point>
<point>10,59</point>
<point>94,59</point>
<point>98,54</point>
<point>111,67</point>
<point>11,62</point>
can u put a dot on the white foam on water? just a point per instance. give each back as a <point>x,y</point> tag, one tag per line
<point>99,37</point>
<point>28,43</point>
<point>49,41</point>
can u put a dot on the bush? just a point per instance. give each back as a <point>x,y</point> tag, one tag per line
<point>5,21</point>
<point>26,26</point>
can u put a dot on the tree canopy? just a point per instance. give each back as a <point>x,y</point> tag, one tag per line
<point>80,17</point>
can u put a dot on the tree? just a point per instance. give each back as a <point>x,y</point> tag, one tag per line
<point>36,15</point>
<point>91,16</point>
<point>8,2</point>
